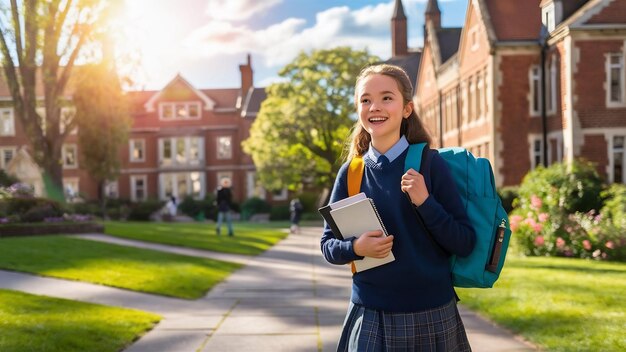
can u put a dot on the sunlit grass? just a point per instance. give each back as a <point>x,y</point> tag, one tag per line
<point>113,265</point>
<point>37,323</point>
<point>249,239</point>
<point>557,303</point>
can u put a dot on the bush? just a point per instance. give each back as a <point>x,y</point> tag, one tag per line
<point>279,212</point>
<point>557,214</point>
<point>309,201</point>
<point>508,195</point>
<point>6,180</point>
<point>34,207</point>
<point>253,206</point>
<point>199,209</point>
<point>143,210</point>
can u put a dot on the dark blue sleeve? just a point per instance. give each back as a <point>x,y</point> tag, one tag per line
<point>334,250</point>
<point>443,211</point>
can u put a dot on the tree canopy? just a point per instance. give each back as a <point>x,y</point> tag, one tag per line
<point>301,129</point>
<point>40,43</point>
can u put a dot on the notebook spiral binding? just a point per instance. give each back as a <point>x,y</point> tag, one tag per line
<point>378,216</point>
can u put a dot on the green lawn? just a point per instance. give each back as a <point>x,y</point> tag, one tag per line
<point>113,265</point>
<point>249,239</point>
<point>37,323</point>
<point>557,303</point>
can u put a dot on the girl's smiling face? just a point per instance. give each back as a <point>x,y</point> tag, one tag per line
<point>381,109</point>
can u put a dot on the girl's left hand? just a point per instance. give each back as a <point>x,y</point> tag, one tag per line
<point>413,184</point>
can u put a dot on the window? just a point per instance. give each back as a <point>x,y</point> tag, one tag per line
<point>70,156</point>
<point>253,188</point>
<point>551,85</point>
<point>179,111</point>
<point>6,155</point>
<point>137,150</point>
<point>479,96</point>
<point>548,17</point>
<point>280,194</point>
<point>111,190</point>
<point>67,115</point>
<point>471,101</point>
<point>181,151</point>
<point>615,80</point>
<point>7,122</point>
<point>537,153</point>
<point>224,147</point>
<point>474,38</point>
<point>618,159</point>
<point>535,91</point>
<point>138,187</point>
<point>181,184</point>
<point>70,187</point>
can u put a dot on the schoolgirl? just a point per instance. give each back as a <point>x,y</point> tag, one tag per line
<point>408,304</point>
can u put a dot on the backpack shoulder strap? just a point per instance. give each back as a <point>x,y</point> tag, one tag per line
<point>355,175</point>
<point>414,157</point>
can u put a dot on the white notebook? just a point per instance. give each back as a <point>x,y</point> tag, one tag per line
<point>354,216</point>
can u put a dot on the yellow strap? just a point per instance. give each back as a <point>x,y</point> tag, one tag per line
<point>355,175</point>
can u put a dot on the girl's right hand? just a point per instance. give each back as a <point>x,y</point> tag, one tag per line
<point>373,244</point>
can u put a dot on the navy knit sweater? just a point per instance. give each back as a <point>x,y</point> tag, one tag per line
<point>419,278</point>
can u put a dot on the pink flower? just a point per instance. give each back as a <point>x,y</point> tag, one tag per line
<point>535,202</point>
<point>537,227</point>
<point>514,220</point>
<point>543,217</point>
<point>587,245</point>
<point>560,243</point>
<point>539,241</point>
<point>610,245</point>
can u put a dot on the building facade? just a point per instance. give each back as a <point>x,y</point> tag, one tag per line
<point>527,83</point>
<point>183,142</point>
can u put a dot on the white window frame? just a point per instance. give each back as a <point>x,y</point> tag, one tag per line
<point>188,159</point>
<point>551,83</point>
<point>536,154</point>
<point>283,195</point>
<point>548,18</point>
<point>75,183</point>
<point>3,150</point>
<point>141,144</point>
<point>621,76</point>
<point>63,117</point>
<point>112,190</point>
<point>186,107</point>
<point>64,156</point>
<point>133,187</point>
<point>612,151</point>
<point>10,121</point>
<point>219,148</point>
<point>253,189</point>
<point>174,177</point>
<point>534,74</point>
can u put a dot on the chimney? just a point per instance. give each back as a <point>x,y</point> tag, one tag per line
<point>246,77</point>
<point>433,15</point>
<point>399,45</point>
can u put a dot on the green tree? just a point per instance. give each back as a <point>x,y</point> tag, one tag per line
<point>40,42</point>
<point>300,132</point>
<point>103,119</point>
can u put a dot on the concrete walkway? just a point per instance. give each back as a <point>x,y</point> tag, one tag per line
<point>287,299</point>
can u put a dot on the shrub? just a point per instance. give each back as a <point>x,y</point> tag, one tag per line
<point>21,206</point>
<point>557,214</point>
<point>309,201</point>
<point>199,209</point>
<point>253,206</point>
<point>42,211</point>
<point>279,212</point>
<point>143,210</point>
<point>6,180</point>
<point>508,195</point>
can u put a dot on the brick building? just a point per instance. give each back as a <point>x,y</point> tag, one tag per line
<point>523,82</point>
<point>183,141</point>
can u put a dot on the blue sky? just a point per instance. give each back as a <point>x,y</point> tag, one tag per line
<point>206,40</point>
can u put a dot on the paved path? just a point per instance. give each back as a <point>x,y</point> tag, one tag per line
<point>287,299</point>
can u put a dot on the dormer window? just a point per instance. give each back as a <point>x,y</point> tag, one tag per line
<point>550,15</point>
<point>179,111</point>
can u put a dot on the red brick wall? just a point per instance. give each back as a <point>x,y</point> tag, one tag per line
<point>595,149</point>
<point>590,84</point>
<point>614,13</point>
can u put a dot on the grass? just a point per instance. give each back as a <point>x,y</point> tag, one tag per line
<point>37,323</point>
<point>113,265</point>
<point>249,239</point>
<point>558,304</point>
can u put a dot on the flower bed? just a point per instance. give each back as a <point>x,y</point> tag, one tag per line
<point>51,228</point>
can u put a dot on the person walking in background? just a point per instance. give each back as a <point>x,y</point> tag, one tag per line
<point>224,200</point>
<point>408,304</point>
<point>295,212</point>
<point>172,207</point>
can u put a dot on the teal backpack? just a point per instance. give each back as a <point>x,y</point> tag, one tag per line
<point>476,185</point>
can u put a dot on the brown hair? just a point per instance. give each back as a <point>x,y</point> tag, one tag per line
<point>412,128</point>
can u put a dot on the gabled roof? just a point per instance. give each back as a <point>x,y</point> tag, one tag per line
<point>410,63</point>
<point>252,102</point>
<point>209,104</point>
<point>448,41</point>
<point>513,20</point>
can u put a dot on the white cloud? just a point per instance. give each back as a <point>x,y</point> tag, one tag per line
<point>236,10</point>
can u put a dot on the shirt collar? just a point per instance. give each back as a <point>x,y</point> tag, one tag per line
<point>392,153</point>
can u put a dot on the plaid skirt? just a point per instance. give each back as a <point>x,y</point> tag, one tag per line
<point>438,329</point>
